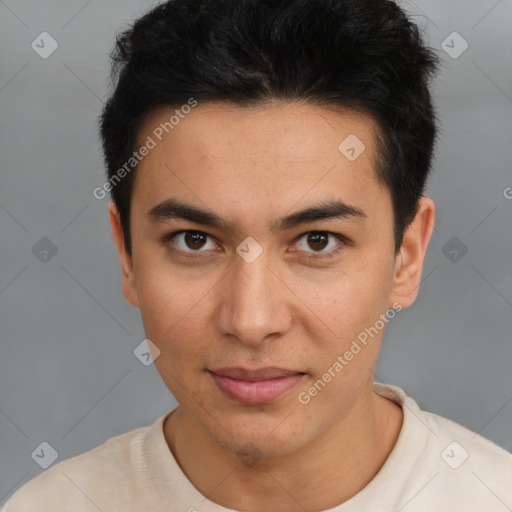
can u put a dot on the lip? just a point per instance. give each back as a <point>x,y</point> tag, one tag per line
<point>269,372</point>
<point>255,387</point>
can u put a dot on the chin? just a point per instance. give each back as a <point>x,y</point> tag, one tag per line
<point>258,441</point>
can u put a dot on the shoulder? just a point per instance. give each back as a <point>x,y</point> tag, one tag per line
<point>447,439</point>
<point>444,465</point>
<point>466,444</point>
<point>84,482</point>
<point>471,471</point>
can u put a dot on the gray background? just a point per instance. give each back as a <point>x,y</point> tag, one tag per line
<point>68,374</point>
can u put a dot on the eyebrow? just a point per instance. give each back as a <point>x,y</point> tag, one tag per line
<point>325,210</point>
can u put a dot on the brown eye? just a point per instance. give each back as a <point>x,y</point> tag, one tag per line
<point>195,239</point>
<point>317,240</point>
<point>192,241</point>
<point>324,243</point>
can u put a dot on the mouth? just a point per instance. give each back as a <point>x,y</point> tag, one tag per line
<point>255,387</point>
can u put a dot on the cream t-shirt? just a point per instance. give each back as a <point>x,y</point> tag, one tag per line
<point>436,465</point>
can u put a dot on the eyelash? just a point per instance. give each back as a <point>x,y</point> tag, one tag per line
<point>324,255</point>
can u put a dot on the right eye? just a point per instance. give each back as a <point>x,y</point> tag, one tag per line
<point>191,241</point>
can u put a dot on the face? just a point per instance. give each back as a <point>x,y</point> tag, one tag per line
<point>277,251</point>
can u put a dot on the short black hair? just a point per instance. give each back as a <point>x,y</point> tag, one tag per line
<point>365,55</point>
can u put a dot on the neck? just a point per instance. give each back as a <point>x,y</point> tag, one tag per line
<point>337,464</point>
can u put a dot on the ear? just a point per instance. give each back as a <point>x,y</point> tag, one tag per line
<point>128,278</point>
<point>409,260</point>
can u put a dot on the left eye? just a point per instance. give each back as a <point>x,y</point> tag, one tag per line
<point>318,241</point>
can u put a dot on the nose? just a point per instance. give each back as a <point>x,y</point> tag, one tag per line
<point>254,302</point>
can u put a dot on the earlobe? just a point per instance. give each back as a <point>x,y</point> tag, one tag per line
<point>409,261</point>
<point>126,261</point>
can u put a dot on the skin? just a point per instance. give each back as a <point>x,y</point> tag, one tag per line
<point>252,166</point>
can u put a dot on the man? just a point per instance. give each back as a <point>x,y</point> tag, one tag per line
<point>267,162</point>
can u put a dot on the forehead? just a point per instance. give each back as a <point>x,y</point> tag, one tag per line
<point>275,130</point>
<point>281,154</point>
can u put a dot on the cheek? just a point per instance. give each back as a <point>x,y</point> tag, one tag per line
<point>159,305</point>
<point>172,315</point>
<point>175,309</point>
<point>349,308</point>
<point>346,303</point>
